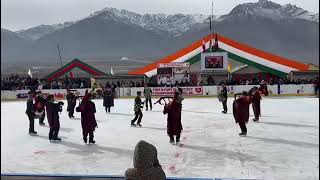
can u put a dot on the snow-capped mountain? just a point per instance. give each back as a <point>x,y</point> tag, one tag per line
<point>174,24</point>
<point>110,33</point>
<point>36,32</point>
<point>271,10</point>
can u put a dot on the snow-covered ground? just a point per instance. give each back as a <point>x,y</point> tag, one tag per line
<point>284,145</point>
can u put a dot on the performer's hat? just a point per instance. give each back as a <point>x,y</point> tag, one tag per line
<point>139,92</point>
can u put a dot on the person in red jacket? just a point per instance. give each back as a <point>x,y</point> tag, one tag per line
<point>174,126</point>
<point>256,98</point>
<point>88,120</point>
<point>241,111</point>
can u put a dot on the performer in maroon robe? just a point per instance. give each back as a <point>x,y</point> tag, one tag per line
<point>256,98</point>
<point>174,126</point>
<point>264,88</point>
<point>241,111</point>
<point>53,110</point>
<point>88,120</point>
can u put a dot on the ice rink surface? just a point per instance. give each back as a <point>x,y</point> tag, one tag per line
<point>283,145</point>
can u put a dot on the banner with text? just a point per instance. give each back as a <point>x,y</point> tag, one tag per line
<point>168,91</point>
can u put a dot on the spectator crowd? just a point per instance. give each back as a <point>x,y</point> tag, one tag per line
<point>16,82</point>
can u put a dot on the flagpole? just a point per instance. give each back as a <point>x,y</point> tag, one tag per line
<point>211,25</point>
<point>59,54</point>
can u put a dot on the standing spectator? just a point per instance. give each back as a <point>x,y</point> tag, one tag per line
<point>145,164</point>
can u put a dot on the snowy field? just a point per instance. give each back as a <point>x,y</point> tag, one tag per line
<point>283,145</point>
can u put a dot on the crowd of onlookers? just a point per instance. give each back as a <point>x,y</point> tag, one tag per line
<point>16,82</point>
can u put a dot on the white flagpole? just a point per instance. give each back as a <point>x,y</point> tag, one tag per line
<point>111,71</point>
<point>29,73</point>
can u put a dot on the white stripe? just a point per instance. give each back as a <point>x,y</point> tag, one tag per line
<point>256,59</point>
<point>180,59</point>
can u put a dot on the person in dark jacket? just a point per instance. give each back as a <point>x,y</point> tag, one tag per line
<point>30,113</point>
<point>138,105</point>
<point>174,126</point>
<point>72,101</point>
<point>53,110</point>
<point>224,92</point>
<point>147,94</point>
<point>39,104</point>
<point>241,111</point>
<point>88,120</point>
<point>256,98</point>
<point>146,165</point>
<point>108,100</point>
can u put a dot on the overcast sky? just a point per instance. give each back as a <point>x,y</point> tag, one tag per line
<point>21,14</point>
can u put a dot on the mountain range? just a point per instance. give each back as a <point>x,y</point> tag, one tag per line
<point>111,33</point>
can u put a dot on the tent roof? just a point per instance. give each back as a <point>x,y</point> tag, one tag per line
<point>73,64</point>
<point>237,51</point>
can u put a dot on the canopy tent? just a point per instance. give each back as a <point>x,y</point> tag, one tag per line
<point>76,63</point>
<point>237,51</point>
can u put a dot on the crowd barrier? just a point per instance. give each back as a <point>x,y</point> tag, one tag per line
<point>16,176</point>
<point>290,89</point>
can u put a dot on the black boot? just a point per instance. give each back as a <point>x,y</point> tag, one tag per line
<point>91,141</point>
<point>55,136</point>
<point>85,140</point>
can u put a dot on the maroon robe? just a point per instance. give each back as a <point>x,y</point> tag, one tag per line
<point>173,109</point>
<point>88,120</point>
<point>256,98</point>
<point>52,115</point>
<point>241,110</point>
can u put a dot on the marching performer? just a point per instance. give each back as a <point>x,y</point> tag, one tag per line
<point>88,120</point>
<point>30,114</point>
<point>147,94</point>
<point>241,111</point>
<point>223,98</point>
<point>138,105</point>
<point>256,98</point>
<point>72,101</point>
<point>174,126</point>
<point>108,99</point>
<point>39,104</point>
<point>53,110</point>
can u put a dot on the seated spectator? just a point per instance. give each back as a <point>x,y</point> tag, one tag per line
<point>145,164</point>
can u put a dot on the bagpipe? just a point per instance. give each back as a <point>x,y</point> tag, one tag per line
<point>162,100</point>
<point>60,105</point>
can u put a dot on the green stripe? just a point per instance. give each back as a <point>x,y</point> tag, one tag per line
<point>235,57</point>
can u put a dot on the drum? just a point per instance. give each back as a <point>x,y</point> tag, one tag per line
<point>221,97</point>
<point>38,114</point>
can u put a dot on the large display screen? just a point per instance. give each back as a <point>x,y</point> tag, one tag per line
<point>214,61</point>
